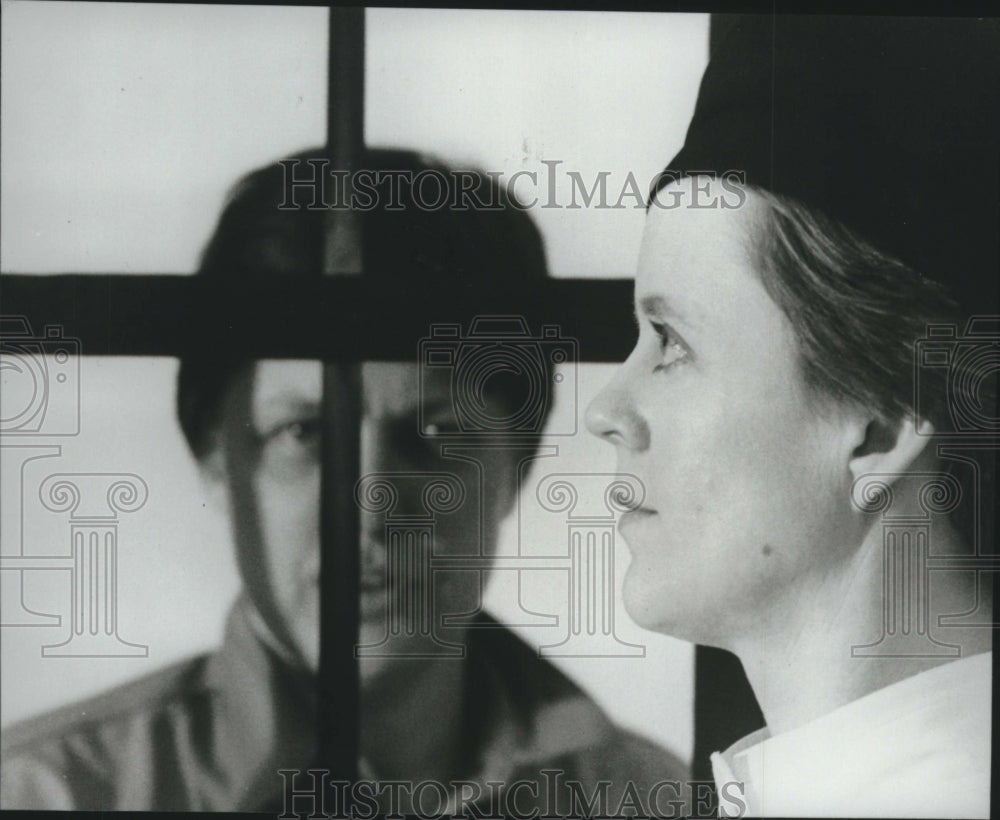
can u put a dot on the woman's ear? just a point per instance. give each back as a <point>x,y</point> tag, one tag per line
<point>890,446</point>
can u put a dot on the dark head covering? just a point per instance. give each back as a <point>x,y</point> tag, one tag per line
<point>413,238</point>
<point>889,125</point>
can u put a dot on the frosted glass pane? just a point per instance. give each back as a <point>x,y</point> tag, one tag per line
<point>124,124</point>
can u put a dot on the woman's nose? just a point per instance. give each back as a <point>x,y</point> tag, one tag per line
<point>612,415</point>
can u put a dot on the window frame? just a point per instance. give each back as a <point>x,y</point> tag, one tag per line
<point>338,319</point>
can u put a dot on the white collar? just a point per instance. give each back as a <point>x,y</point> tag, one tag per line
<point>917,748</point>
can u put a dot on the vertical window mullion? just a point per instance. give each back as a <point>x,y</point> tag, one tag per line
<point>339,729</point>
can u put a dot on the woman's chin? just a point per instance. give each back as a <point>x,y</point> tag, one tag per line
<point>649,610</point>
<point>660,608</point>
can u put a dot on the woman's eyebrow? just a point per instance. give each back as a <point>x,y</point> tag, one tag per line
<point>289,401</point>
<point>657,306</point>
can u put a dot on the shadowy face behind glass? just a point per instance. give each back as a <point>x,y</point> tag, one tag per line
<point>270,442</point>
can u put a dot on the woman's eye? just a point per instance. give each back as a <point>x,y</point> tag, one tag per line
<point>441,429</point>
<point>299,430</point>
<point>295,440</point>
<point>426,444</point>
<point>303,430</point>
<point>672,349</point>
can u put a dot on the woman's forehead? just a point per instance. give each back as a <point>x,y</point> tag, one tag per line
<point>390,388</point>
<point>275,379</point>
<point>695,263</point>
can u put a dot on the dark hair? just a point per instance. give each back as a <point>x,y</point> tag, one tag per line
<point>856,311</point>
<point>460,225</point>
<point>858,315</point>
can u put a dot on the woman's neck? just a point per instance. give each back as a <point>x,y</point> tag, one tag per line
<point>799,659</point>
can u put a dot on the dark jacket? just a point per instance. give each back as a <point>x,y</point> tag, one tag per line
<point>211,734</point>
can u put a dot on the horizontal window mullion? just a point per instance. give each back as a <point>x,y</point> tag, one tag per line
<point>333,318</point>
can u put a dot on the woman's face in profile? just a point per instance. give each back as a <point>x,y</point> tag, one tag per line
<point>746,491</point>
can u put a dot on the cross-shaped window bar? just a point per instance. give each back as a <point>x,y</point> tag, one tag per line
<point>332,318</point>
